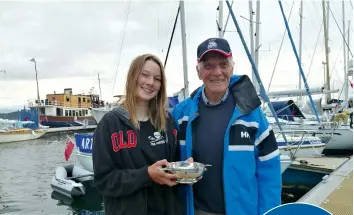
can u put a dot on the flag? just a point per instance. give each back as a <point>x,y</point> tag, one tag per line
<point>44,119</point>
<point>69,147</point>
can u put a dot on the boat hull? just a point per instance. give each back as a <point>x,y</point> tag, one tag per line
<point>341,143</point>
<point>85,160</point>
<point>23,135</point>
<point>67,180</point>
<point>307,147</point>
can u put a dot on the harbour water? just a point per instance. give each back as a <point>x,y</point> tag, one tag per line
<point>26,171</point>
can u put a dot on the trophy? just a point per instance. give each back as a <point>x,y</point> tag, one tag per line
<point>187,172</point>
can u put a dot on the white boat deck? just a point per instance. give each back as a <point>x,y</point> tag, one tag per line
<point>74,128</point>
<point>335,192</point>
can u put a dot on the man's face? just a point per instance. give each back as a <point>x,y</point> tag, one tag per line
<point>215,71</point>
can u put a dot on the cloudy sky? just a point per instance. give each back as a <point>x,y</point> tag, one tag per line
<point>74,41</point>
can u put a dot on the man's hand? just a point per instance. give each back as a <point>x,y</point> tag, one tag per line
<point>190,160</point>
<point>161,177</point>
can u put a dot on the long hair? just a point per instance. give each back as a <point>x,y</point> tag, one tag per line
<point>157,105</point>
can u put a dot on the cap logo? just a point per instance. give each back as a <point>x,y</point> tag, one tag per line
<point>212,44</point>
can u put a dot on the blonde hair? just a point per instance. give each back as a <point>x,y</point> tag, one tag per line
<point>158,105</point>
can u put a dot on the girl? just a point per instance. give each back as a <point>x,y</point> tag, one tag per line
<point>132,141</point>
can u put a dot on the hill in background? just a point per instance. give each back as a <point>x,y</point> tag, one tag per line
<point>15,115</point>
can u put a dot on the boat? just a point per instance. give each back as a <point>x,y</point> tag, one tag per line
<point>68,180</point>
<point>15,131</point>
<point>66,109</point>
<point>301,144</point>
<point>336,134</point>
<point>21,134</point>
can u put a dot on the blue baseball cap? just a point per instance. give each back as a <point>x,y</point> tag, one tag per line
<point>214,44</point>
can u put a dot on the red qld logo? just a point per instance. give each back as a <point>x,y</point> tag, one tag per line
<point>118,140</point>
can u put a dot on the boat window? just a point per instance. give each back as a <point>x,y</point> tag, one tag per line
<point>58,112</point>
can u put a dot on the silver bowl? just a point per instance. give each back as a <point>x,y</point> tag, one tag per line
<point>187,172</point>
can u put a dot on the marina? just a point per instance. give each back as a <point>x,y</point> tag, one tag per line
<point>46,144</point>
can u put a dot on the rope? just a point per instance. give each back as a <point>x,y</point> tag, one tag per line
<point>340,31</point>
<point>318,38</point>
<point>121,45</point>
<point>281,45</point>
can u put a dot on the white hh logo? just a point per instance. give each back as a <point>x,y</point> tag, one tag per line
<point>245,134</point>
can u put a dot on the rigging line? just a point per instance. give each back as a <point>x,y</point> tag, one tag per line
<point>316,14</point>
<point>311,15</point>
<point>340,31</point>
<point>314,52</point>
<point>227,19</point>
<point>281,45</point>
<point>170,19</point>
<point>172,34</point>
<point>335,62</point>
<point>121,45</point>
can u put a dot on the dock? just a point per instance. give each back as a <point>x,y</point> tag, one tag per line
<point>70,129</point>
<point>319,164</point>
<point>335,192</point>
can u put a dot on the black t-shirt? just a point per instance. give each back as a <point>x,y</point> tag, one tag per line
<point>155,149</point>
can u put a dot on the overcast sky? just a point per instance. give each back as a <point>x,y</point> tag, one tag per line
<point>73,42</point>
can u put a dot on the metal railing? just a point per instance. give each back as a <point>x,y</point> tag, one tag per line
<point>60,104</point>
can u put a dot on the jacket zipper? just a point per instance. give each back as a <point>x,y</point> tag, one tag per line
<point>137,140</point>
<point>223,172</point>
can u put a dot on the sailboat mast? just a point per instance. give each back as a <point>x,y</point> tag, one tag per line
<point>256,51</point>
<point>99,85</point>
<point>221,22</point>
<point>38,98</point>
<point>184,50</point>
<point>254,80</point>
<point>326,48</point>
<point>300,42</point>
<point>344,58</point>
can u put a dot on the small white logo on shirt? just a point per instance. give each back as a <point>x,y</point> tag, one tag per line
<point>245,134</point>
<point>157,139</point>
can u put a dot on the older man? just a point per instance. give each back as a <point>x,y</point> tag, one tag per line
<point>222,124</point>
